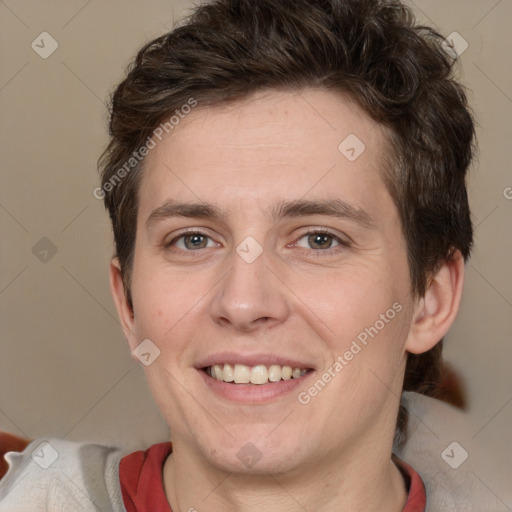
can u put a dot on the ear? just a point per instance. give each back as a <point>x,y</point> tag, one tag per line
<point>124,310</point>
<point>437,309</point>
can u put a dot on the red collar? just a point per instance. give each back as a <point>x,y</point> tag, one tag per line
<point>416,494</point>
<point>140,475</point>
<point>142,487</point>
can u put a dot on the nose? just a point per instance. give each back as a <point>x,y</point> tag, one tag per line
<point>250,296</point>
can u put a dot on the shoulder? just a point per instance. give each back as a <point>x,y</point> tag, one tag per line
<point>457,473</point>
<point>55,474</point>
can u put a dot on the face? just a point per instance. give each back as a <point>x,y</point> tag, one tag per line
<point>264,248</point>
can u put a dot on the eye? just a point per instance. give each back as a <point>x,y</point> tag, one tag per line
<point>191,241</point>
<point>320,241</point>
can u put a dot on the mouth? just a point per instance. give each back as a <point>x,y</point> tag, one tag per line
<point>253,378</point>
<point>258,374</point>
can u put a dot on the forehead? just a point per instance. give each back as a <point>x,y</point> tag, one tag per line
<point>273,145</point>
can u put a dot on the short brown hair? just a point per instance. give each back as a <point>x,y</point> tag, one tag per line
<point>370,50</point>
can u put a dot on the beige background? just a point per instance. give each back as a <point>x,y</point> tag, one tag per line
<point>65,370</point>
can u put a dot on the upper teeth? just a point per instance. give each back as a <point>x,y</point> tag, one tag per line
<point>259,374</point>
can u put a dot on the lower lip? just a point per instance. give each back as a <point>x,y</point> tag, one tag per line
<point>253,393</point>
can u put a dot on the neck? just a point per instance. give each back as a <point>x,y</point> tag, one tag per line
<point>355,480</point>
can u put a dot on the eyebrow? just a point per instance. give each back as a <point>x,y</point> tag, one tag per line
<point>298,208</point>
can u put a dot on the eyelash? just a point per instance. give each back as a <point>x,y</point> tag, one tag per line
<point>315,252</point>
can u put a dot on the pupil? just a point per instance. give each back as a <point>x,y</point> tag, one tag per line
<point>320,239</point>
<point>195,240</point>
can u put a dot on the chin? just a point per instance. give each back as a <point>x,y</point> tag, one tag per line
<point>254,452</point>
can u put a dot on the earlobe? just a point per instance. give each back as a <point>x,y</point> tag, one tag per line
<point>123,308</point>
<point>436,311</point>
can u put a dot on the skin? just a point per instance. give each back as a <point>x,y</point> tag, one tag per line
<point>300,298</point>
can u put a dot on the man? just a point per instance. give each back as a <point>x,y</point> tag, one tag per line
<point>286,184</point>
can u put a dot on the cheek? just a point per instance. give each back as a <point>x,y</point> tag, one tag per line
<point>163,303</point>
<point>360,313</point>
<point>345,300</point>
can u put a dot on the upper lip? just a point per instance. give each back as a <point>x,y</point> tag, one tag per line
<point>252,360</point>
